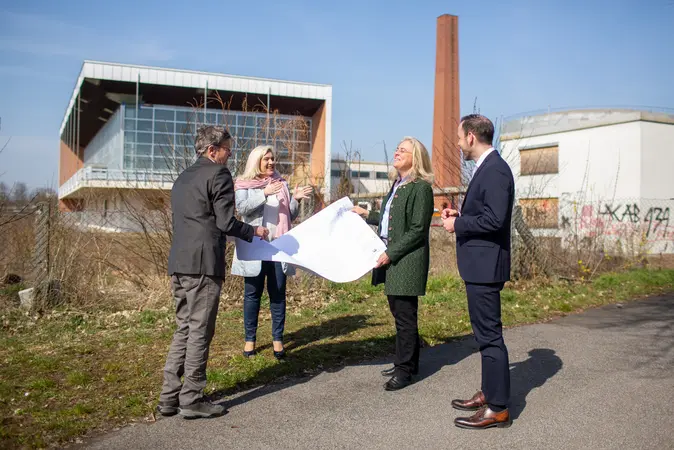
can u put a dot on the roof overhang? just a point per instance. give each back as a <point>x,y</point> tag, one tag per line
<point>530,125</point>
<point>102,86</point>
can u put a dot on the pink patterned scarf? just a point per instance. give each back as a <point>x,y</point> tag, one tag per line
<point>283,197</point>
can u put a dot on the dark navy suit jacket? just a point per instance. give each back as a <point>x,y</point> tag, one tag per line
<point>483,229</point>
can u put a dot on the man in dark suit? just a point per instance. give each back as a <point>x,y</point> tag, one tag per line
<point>483,255</point>
<point>202,201</point>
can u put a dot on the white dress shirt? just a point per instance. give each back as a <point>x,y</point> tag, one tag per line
<point>383,230</point>
<point>481,159</point>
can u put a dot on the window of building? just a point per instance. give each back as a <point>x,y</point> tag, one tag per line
<point>336,173</point>
<point>540,212</point>
<point>539,161</point>
<point>164,127</point>
<point>166,133</point>
<point>164,114</point>
<point>382,175</point>
<point>360,174</point>
<point>144,149</point>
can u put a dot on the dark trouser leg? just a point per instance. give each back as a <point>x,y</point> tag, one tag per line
<point>253,288</point>
<point>276,287</point>
<point>484,307</point>
<point>203,297</point>
<point>405,311</point>
<point>175,361</point>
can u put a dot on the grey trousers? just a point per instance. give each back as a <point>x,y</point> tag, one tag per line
<point>197,298</point>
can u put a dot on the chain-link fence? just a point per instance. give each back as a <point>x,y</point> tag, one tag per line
<point>577,235</point>
<point>115,248</point>
<point>117,251</point>
<point>17,234</point>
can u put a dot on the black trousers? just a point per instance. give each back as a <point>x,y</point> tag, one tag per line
<point>484,307</point>
<point>405,312</point>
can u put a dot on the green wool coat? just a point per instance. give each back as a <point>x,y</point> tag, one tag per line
<point>410,217</point>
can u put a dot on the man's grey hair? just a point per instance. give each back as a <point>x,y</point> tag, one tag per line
<point>210,135</point>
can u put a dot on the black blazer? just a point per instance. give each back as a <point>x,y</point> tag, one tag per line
<point>202,200</point>
<point>483,229</point>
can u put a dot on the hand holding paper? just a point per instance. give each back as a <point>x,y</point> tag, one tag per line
<point>334,243</point>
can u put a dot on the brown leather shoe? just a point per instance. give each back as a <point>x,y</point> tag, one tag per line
<point>473,404</point>
<point>485,418</point>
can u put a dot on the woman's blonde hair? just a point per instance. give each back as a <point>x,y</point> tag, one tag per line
<point>421,162</point>
<point>252,169</point>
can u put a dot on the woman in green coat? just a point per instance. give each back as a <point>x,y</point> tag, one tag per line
<point>404,225</point>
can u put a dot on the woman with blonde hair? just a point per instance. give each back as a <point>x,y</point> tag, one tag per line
<point>262,197</point>
<point>404,226</point>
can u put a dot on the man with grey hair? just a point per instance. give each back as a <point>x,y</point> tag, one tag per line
<point>202,200</point>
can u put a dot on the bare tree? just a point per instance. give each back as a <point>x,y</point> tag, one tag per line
<point>4,146</point>
<point>4,192</point>
<point>20,195</point>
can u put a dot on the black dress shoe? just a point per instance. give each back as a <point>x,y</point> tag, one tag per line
<point>397,382</point>
<point>280,355</point>
<point>248,354</point>
<point>392,371</point>
<point>389,372</point>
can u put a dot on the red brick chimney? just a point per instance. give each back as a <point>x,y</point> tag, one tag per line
<point>446,115</point>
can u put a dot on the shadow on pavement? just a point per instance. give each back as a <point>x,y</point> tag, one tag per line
<point>527,375</point>
<point>333,356</point>
<point>305,362</point>
<point>451,352</point>
<point>432,359</point>
<point>541,365</point>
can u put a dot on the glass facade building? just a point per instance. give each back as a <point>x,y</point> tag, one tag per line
<point>160,139</point>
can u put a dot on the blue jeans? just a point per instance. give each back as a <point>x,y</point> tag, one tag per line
<point>276,288</point>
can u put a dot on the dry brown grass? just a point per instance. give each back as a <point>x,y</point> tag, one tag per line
<point>16,247</point>
<point>127,271</point>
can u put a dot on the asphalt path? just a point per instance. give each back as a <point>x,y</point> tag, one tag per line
<point>602,379</point>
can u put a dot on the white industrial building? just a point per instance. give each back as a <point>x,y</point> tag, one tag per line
<point>363,181</point>
<point>600,172</point>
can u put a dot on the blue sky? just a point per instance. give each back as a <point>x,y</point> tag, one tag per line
<point>379,56</point>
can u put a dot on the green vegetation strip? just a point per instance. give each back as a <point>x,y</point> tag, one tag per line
<point>74,372</point>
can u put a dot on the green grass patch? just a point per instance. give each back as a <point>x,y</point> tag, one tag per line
<point>42,384</point>
<point>11,291</point>
<point>72,372</point>
<point>78,379</point>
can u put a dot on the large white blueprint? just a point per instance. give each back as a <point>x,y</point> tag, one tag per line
<point>335,243</point>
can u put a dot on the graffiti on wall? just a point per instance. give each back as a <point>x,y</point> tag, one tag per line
<point>655,220</point>
<point>619,219</point>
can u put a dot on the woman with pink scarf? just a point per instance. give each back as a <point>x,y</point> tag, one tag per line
<point>263,199</point>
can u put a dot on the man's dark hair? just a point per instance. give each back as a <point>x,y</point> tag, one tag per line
<point>480,126</point>
<point>210,135</point>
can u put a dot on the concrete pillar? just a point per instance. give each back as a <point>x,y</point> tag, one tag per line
<point>318,145</point>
